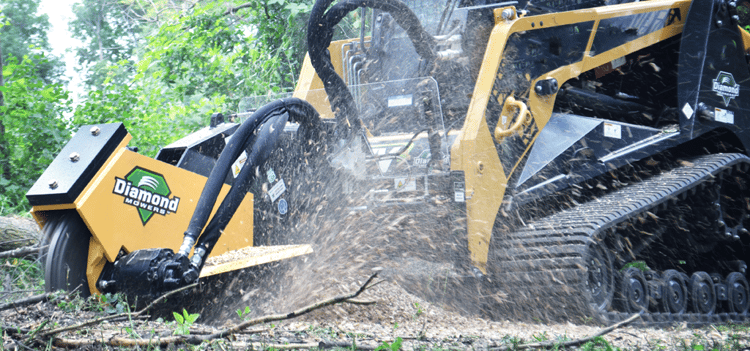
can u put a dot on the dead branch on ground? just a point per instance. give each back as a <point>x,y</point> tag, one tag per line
<point>193,339</point>
<point>116,316</point>
<point>577,342</point>
<point>28,301</point>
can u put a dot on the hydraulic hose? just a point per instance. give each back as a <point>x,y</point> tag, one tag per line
<point>319,36</point>
<point>299,111</point>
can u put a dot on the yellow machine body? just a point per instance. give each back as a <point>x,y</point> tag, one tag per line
<point>474,152</point>
<point>116,225</point>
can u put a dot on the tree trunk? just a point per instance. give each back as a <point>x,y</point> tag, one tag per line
<point>17,232</point>
<point>4,151</point>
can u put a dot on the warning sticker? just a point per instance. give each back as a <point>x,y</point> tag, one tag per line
<point>237,165</point>
<point>405,184</point>
<point>724,116</point>
<point>277,190</point>
<point>612,130</point>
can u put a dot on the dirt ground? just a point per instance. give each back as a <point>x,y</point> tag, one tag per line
<point>396,313</point>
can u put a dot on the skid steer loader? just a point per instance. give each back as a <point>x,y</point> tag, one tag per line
<point>593,155</point>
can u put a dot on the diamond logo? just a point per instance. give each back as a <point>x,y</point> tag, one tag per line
<point>726,87</point>
<point>148,192</point>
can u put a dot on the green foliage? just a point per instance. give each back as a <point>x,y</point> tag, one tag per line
<point>395,346</point>
<point>540,336</point>
<point>244,314</point>
<point>112,303</point>
<point>20,274</point>
<point>744,13</point>
<point>598,344</point>
<point>184,321</point>
<point>32,129</point>
<point>110,33</point>
<point>106,303</point>
<point>25,34</point>
<point>198,61</point>
<point>419,311</point>
<point>641,265</point>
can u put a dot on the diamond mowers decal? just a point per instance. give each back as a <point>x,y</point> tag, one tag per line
<point>726,87</point>
<point>148,192</point>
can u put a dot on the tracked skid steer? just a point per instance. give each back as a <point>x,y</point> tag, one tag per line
<point>590,155</point>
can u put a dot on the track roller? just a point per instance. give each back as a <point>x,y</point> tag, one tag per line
<point>738,291</point>
<point>675,298</point>
<point>702,293</point>
<point>634,290</point>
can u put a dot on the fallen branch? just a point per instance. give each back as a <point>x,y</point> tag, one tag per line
<point>564,344</point>
<point>344,345</point>
<point>28,301</point>
<point>21,252</point>
<point>116,316</point>
<point>199,339</point>
<point>361,302</point>
<point>297,313</point>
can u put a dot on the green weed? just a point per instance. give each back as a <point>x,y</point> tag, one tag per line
<point>184,321</point>
<point>244,314</point>
<point>418,312</point>
<point>20,276</point>
<point>641,265</point>
<point>395,346</point>
<point>598,344</point>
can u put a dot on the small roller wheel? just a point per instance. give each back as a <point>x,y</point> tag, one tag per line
<point>675,298</point>
<point>634,290</point>
<point>738,291</point>
<point>702,293</point>
<point>66,257</point>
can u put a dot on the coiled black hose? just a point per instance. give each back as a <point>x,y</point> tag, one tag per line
<point>299,111</point>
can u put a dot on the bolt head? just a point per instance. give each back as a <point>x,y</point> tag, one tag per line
<point>95,131</point>
<point>53,184</point>
<point>74,157</point>
<point>507,14</point>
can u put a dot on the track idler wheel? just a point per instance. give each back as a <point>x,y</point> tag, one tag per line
<point>702,293</point>
<point>634,290</point>
<point>738,293</point>
<point>675,298</point>
<point>601,277</point>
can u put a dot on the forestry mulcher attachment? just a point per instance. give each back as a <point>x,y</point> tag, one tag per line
<point>592,156</point>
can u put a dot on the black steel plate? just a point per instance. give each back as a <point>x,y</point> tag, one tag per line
<point>71,177</point>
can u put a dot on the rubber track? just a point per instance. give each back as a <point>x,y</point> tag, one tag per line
<point>541,266</point>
